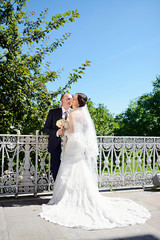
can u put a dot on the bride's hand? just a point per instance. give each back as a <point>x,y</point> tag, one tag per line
<point>61,132</point>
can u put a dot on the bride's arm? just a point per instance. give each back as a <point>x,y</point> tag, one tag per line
<point>70,120</point>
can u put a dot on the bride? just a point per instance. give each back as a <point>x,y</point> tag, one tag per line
<point>76,201</point>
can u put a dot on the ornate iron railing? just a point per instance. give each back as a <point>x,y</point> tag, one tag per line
<point>128,161</point>
<point>122,161</point>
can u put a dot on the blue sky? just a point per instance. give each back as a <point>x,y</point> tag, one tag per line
<point>121,38</point>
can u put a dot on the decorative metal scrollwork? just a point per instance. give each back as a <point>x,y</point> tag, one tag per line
<point>122,161</point>
<point>128,161</point>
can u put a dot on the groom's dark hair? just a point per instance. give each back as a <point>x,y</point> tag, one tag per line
<point>82,99</point>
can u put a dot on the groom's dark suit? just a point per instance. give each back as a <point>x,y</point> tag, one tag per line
<point>54,143</point>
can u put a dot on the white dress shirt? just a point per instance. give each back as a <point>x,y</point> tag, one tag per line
<point>63,112</point>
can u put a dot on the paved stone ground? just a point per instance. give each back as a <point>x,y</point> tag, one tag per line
<point>19,220</point>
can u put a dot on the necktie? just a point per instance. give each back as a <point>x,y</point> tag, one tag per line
<point>65,115</point>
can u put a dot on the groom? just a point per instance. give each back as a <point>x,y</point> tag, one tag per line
<point>54,143</point>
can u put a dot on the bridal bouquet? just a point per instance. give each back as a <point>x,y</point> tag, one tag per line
<point>62,123</point>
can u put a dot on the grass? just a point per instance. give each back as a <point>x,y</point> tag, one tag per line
<point>132,166</point>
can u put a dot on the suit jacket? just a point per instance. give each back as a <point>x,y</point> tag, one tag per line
<point>51,128</point>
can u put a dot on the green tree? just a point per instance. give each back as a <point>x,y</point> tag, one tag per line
<point>142,117</point>
<point>103,120</point>
<point>24,98</point>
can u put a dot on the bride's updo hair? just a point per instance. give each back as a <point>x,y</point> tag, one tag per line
<point>82,99</point>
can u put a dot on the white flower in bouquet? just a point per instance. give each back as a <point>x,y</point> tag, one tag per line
<point>62,123</point>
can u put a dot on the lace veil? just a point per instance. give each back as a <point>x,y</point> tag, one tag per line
<point>83,127</point>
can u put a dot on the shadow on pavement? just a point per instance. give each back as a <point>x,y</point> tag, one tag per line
<point>22,201</point>
<point>152,190</point>
<point>142,237</point>
<point>146,189</point>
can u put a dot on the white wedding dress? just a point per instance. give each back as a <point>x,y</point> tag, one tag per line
<point>76,201</point>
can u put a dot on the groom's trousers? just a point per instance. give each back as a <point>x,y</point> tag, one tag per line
<point>55,160</point>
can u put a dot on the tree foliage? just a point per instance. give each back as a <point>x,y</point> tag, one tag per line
<point>25,99</point>
<point>102,118</point>
<point>142,117</point>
